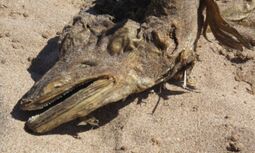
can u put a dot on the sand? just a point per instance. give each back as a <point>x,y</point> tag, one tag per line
<point>218,118</point>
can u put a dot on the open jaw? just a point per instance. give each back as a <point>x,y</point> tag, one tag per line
<point>76,102</point>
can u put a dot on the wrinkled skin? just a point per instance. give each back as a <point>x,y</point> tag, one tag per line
<point>105,59</point>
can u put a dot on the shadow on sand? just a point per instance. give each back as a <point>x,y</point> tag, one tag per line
<point>47,57</point>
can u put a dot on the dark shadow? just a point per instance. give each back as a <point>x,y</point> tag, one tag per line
<point>21,115</point>
<point>39,66</point>
<point>122,9</point>
<point>45,59</point>
<point>239,60</point>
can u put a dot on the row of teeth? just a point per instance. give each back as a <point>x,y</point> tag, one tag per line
<point>55,99</point>
<point>32,118</point>
<point>62,95</point>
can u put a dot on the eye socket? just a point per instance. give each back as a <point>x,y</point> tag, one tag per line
<point>90,63</point>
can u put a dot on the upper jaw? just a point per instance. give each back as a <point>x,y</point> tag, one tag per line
<point>40,102</point>
<point>33,101</point>
<point>41,95</point>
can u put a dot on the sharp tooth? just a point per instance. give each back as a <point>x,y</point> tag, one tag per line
<point>33,117</point>
<point>56,85</point>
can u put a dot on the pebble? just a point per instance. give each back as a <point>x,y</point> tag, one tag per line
<point>15,46</point>
<point>230,56</point>
<point>45,35</point>
<point>123,148</point>
<point>226,117</point>
<point>234,147</point>
<point>30,59</point>
<point>25,15</point>
<point>195,108</point>
<point>155,141</point>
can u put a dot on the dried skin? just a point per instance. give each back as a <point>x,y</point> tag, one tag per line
<point>104,60</point>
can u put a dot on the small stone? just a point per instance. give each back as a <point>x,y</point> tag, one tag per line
<point>237,78</point>
<point>222,52</point>
<point>226,125</point>
<point>226,117</point>
<point>25,15</point>
<point>155,141</point>
<point>195,108</point>
<point>234,147</point>
<point>123,148</point>
<point>30,59</point>
<point>230,56</point>
<point>15,46</point>
<point>45,35</point>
